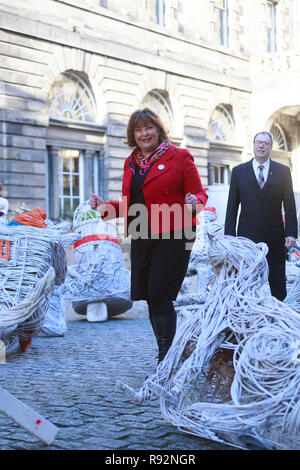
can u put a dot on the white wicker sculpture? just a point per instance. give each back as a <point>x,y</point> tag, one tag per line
<point>293,286</point>
<point>32,261</point>
<point>232,373</point>
<point>98,282</point>
<point>199,264</point>
<point>3,209</point>
<point>55,322</point>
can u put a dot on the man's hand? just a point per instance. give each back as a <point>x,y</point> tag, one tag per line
<point>290,242</point>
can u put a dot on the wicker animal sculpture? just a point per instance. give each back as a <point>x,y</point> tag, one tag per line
<point>98,282</point>
<point>199,265</point>
<point>32,261</point>
<point>232,373</point>
<point>293,286</point>
<point>55,322</point>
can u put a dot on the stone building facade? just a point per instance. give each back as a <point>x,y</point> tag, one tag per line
<point>72,71</point>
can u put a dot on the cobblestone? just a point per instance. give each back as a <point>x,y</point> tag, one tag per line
<point>71,381</point>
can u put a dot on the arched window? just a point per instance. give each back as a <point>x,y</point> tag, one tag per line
<point>279,138</point>
<point>70,99</point>
<point>221,125</point>
<point>160,104</point>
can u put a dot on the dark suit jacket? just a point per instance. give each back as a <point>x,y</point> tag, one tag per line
<point>260,217</point>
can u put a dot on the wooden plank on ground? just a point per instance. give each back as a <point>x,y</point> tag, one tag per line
<point>27,417</point>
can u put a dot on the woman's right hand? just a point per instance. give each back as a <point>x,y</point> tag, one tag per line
<point>95,201</point>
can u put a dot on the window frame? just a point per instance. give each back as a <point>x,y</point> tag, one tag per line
<point>219,167</point>
<point>157,101</point>
<point>224,31</point>
<point>272,27</point>
<point>223,116</point>
<point>61,174</point>
<point>61,102</point>
<point>160,12</point>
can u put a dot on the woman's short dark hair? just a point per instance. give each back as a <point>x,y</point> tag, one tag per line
<point>145,115</point>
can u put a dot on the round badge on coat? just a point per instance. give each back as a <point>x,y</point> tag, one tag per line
<point>161,167</point>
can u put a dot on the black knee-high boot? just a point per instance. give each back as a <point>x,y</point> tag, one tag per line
<point>152,324</point>
<point>162,317</point>
<point>165,329</point>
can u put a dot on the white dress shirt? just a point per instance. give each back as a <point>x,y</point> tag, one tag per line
<point>266,166</point>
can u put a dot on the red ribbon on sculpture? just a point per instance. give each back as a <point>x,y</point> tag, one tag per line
<point>4,244</point>
<point>94,238</point>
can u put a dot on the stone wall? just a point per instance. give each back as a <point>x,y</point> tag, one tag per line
<point>117,47</point>
<point>123,61</point>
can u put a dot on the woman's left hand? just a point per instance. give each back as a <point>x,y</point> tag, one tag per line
<point>191,200</point>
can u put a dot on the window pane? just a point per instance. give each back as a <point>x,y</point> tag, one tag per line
<point>221,175</point>
<point>66,185</point>
<point>70,99</point>
<point>67,207</point>
<point>75,202</point>
<point>271,27</point>
<point>221,25</point>
<point>75,164</point>
<point>161,105</point>
<point>215,174</point>
<point>75,185</point>
<point>66,163</point>
<point>69,181</point>
<point>221,126</point>
<point>160,12</point>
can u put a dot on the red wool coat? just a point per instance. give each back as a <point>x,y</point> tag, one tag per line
<point>169,179</point>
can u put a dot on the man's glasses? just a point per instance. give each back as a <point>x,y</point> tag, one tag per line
<point>260,142</point>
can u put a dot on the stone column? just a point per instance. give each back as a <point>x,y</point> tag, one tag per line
<point>88,172</point>
<point>53,182</point>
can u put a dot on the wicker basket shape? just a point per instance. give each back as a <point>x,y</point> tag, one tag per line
<point>32,261</point>
<point>99,273</point>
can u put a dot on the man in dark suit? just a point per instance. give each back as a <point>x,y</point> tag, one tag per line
<point>261,187</point>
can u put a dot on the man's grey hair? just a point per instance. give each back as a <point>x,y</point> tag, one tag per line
<point>264,133</point>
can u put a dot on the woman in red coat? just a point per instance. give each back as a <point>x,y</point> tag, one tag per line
<point>161,196</point>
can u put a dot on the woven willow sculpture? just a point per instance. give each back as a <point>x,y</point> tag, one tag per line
<point>55,323</point>
<point>32,261</point>
<point>199,264</point>
<point>99,274</point>
<point>233,374</point>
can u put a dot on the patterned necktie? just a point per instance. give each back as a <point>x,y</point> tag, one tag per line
<point>261,179</point>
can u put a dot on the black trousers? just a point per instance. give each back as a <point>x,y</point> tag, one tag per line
<point>159,266</point>
<point>277,276</point>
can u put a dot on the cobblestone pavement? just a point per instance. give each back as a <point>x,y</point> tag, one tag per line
<point>72,382</point>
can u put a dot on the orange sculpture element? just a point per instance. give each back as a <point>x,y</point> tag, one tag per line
<point>4,255</point>
<point>34,218</point>
<point>24,344</point>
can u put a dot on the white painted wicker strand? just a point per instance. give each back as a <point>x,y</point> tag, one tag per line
<point>263,400</point>
<point>34,261</point>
